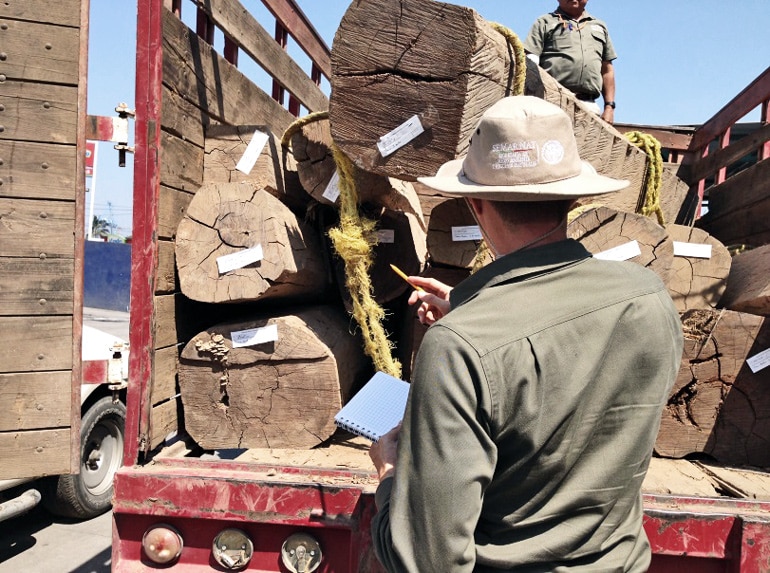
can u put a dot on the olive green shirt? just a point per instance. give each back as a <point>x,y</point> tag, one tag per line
<point>572,51</point>
<point>532,414</point>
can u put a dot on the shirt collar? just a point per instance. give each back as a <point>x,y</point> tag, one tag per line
<point>585,16</point>
<point>519,265</point>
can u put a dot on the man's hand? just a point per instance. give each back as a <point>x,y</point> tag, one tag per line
<point>608,115</point>
<point>384,452</point>
<point>434,299</point>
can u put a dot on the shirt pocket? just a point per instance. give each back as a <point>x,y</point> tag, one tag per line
<point>599,35</point>
<point>561,40</point>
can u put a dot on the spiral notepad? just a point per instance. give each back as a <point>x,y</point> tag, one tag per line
<point>376,409</point>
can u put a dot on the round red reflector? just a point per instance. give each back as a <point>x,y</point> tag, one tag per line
<point>162,544</point>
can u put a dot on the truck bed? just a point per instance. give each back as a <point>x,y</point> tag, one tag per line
<point>344,459</point>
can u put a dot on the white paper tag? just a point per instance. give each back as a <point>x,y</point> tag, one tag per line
<point>400,136</point>
<point>621,252</point>
<point>759,361</point>
<point>332,191</point>
<point>386,236</point>
<point>254,336</point>
<point>467,233</point>
<point>692,250</point>
<point>227,263</point>
<point>253,149</point>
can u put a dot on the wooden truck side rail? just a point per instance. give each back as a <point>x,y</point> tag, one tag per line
<point>179,95</point>
<point>733,172</point>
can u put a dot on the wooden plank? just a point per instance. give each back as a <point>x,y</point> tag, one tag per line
<point>677,477</point>
<point>202,77</point>
<point>165,321</point>
<point>164,419</point>
<point>739,208</point>
<point>36,286</point>
<point>38,112</point>
<point>709,165</point>
<point>748,285</point>
<point>35,453</point>
<point>166,279</point>
<point>164,385</point>
<point>740,483</point>
<point>35,344</point>
<point>294,20</point>
<point>33,400</point>
<point>37,170</point>
<point>753,95</point>
<point>61,12</point>
<point>172,206</point>
<point>31,228</point>
<point>182,118</point>
<point>181,163</point>
<point>40,52</point>
<point>243,28</point>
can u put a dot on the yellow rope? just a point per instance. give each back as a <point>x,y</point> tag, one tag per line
<point>519,78</point>
<point>353,240</point>
<point>300,123</point>
<point>579,210</point>
<point>651,147</point>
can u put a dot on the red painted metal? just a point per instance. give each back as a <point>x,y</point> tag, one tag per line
<point>144,252</point>
<point>95,371</point>
<point>282,37</point>
<point>724,141</point>
<point>764,153</point>
<point>205,27</point>
<point>231,51</point>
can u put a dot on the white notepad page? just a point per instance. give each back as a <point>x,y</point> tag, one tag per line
<point>376,409</point>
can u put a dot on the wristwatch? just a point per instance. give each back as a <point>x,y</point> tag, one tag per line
<point>610,104</point>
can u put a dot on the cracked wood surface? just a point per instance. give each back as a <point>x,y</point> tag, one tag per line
<point>748,285</point>
<point>226,218</point>
<point>443,249</point>
<point>603,228</point>
<point>718,406</point>
<point>281,394</point>
<point>698,283</point>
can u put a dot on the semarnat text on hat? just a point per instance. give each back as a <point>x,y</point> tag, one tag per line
<point>523,149</point>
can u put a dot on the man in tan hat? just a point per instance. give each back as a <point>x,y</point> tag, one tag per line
<point>536,399</point>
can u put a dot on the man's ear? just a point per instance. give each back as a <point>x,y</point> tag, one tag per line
<point>476,205</point>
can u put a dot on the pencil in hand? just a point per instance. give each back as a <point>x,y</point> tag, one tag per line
<point>401,273</point>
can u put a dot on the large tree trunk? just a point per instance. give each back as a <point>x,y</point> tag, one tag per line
<point>274,169</point>
<point>401,241</point>
<point>394,59</point>
<point>602,229</point>
<point>450,234</point>
<point>748,286</point>
<point>225,219</point>
<point>318,173</point>
<point>718,405</point>
<point>697,282</point>
<point>281,393</point>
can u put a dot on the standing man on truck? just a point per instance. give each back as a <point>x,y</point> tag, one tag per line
<point>536,398</point>
<point>575,48</point>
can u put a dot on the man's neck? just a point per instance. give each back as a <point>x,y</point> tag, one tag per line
<point>577,16</point>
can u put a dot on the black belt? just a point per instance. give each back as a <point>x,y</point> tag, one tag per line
<point>586,97</point>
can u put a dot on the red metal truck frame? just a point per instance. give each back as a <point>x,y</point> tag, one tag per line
<point>200,497</point>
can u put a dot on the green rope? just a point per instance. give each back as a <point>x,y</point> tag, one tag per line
<point>654,179</point>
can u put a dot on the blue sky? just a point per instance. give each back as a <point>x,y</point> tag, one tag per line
<point>679,61</point>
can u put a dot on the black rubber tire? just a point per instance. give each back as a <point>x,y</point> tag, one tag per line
<point>89,493</point>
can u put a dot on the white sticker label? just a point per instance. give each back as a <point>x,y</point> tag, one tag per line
<point>386,236</point>
<point>254,336</point>
<point>692,250</point>
<point>620,253</point>
<point>759,361</point>
<point>400,136</point>
<point>332,191</point>
<point>227,263</point>
<point>467,233</point>
<point>253,149</point>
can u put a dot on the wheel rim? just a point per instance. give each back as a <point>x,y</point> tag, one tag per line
<point>102,456</point>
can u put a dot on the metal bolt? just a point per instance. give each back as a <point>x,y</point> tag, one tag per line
<point>43,215</point>
<point>42,256</point>
<point>43,165</point>
<point>42,302</point>
<point>46,105</point>
<point>48,46</point>
<point>3,56</point>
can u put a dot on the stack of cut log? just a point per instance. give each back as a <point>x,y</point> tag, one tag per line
<point>410,80</point>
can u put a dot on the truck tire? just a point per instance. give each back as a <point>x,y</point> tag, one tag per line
<point>89,493</point>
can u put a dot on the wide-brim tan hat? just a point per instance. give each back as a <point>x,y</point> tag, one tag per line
<point>523,149</point>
